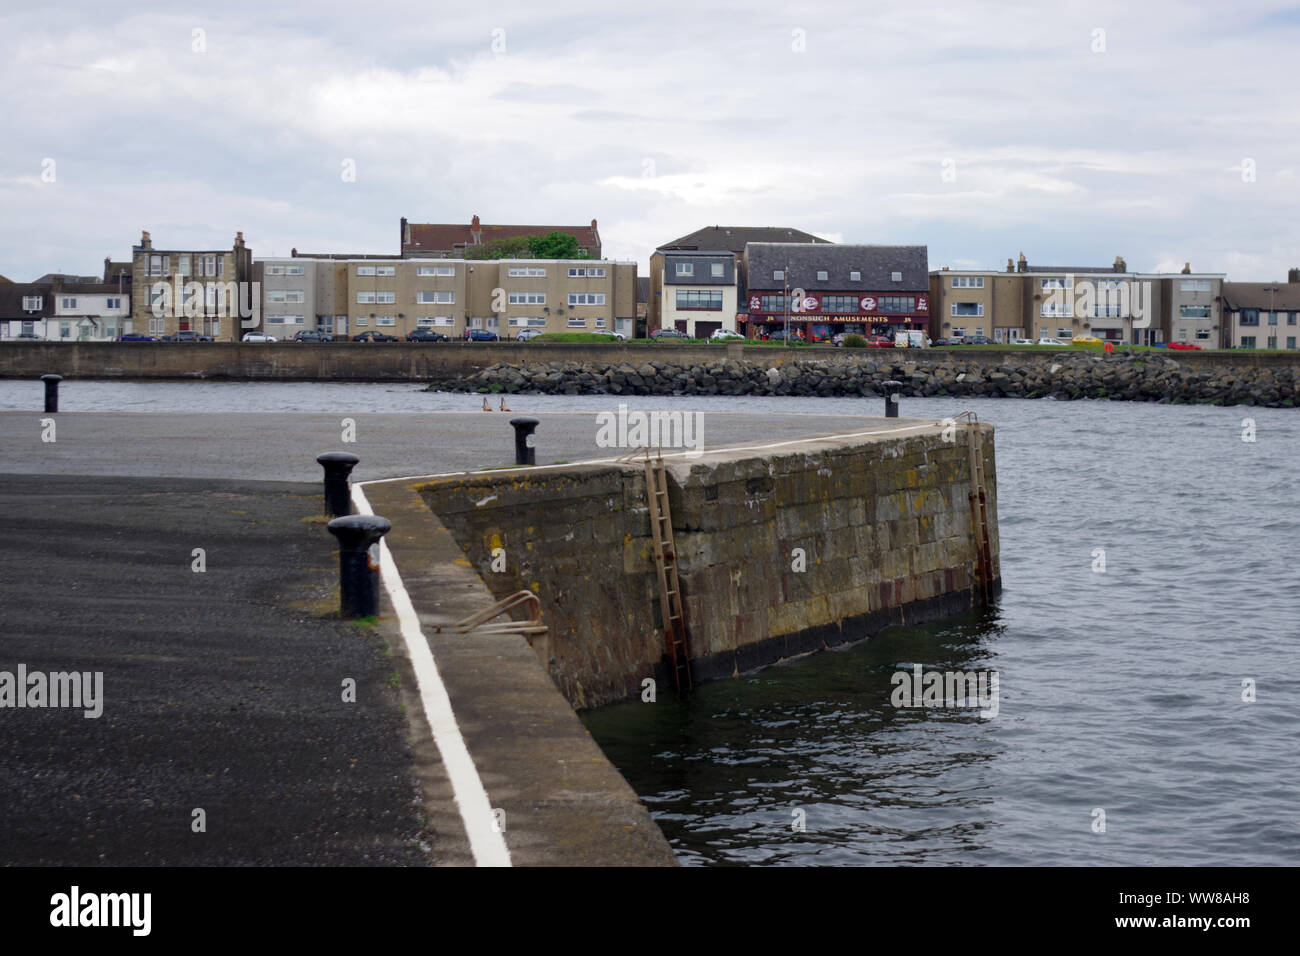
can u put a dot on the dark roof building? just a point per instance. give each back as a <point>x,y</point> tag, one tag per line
<point>451,240</point>
<point>734,238</point>
<point>22,304</point>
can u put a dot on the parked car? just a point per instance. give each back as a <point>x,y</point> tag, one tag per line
<point>259,337</point>
<point>1183,347</point>
<point>426,335</point>
<point>1019,341</point>
<point>726,335</point>
<point>136,337</point>
<point>781,335</point>
<point>1086,340</point>
<point>527,335</point>
<point>610,333</point>
<point>977,340</point>
<point>372,336</point>
<point>481,335</point>
<point>945,341</point>
<point>879,342</point>
<point>1046,340</point>
<point>30,335</point>
<point>668,333</point>
<point>312,335</point>
<point>187,335</point>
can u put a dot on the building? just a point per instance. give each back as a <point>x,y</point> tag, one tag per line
<point>819,289</point>
<point>1262,315</point>
<point>348,295</point>
<point>1062,302</point>
<point>453,240</point>
<point>699,291</point>
<point>732,239</point>
<point>208,291</point>
<point>26,309</point>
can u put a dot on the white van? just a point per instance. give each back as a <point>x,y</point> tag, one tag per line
<point>911,339</point>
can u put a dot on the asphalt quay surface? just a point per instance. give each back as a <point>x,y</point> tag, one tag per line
<point>223,690</point>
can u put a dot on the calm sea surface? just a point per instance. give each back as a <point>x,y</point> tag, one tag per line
<point>1118,691</point>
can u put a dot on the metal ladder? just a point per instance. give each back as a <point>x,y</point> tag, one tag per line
<point>665,553</point>
<point>986,568</point>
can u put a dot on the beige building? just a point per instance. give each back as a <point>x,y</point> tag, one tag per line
<point>346,296</point>
<point>1263,315</point>
<point>1066,302</point>
<point>208,291</point>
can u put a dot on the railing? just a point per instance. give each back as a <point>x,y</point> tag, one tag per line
<point>479,623</point>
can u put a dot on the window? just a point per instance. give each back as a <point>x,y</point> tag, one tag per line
<point>385,320</point>
<point>855,276</point>
<point>365,297</point>
<point>521,271</point>
<point>386,298</point>
<point>577,322</point>
<point>1290,341</point>
<point>958,332</point>
<point>294,270</point>
<point>158,265</point>
<point>588,272</point>
<point>1272,341</point>
<point>65,330</point>
<point>778,275</point>
<point>439,297</point>
<point>968,308</point>
<point>1248,341</point>
<point>271,271</point>
<point>285,320</point>
<point>294,297</point>
<point>1201,334</point>
<point>440,271</point>
<point>527,321</point>
<point>587,298</point>
<point>822,275</point>
<point>183,265</point>
<point>896,303</point>
<point>776,303</point>
<point>1194,285</point>
<point>1194,311</point>
<point>968,282</point>
<point>1060,310</point>
<point>716,269</point>
<point>685,268</point>
<point>112,304</point>
<point>212,265</point>
<point>359,320</point>
<point>896,277</point>
<point>33,303</point>
<point>600,321</point>
<point>275,296</point>
<point>1290,318</point>
<point>365,270</point>
<point>701,299</point>
<point>1250,316</point>
<point>435,321</point>
<point>69,303</point>
<point>1272,318</point>
<point>1057,283</point>
<point>385,270</point>
<point>840,303</point>
<point>527,298</point>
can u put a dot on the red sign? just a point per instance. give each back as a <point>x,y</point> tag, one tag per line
<point>868,303</point>
<point>755,303</point>
<point>921,305</point>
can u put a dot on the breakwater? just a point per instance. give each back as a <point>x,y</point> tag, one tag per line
<point>782,550</point>
<point>1142,377</point>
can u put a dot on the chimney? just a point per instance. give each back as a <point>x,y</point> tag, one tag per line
<point>1120,265</point>
<point>293,253</point>
<point>1187,268</point>
<point>1023,264</point>
<point>405,239</point>
<point>1293,276</point>
<point>593,225</point>
<point>239,240</point>
<point>945,269</point>
<point>145,241</point>
<point>1010,265</point>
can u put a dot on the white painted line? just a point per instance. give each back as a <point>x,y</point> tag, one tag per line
<point>486,843</point>
<point>937,423</point>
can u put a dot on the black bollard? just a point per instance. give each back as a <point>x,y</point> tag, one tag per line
<point>51,391</point>
<point>358,574</point>
<point>338,466</point>
<point>525,453</point>
<point>891,398</point>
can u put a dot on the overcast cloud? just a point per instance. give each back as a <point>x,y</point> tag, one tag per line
<point>657,121</point>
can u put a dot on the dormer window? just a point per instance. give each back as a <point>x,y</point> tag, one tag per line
<point>896,277</point>
<point>778,275</point>
<point>821,275</point>
<point>855,276</point>
<point>686,268</point>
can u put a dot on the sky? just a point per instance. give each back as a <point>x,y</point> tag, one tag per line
<point>1165,132</point>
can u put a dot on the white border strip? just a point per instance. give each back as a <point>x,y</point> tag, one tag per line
<point>487,844</point>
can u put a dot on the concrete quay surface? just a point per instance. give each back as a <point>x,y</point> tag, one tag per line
<point>223,689</point>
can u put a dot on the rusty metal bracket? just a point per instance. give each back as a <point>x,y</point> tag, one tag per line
<point>480,622</point>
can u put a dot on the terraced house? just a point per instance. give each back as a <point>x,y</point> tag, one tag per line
<point>1263,315</point>
<point>198,290</point>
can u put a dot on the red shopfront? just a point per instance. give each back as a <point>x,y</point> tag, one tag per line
<point>820,315</point>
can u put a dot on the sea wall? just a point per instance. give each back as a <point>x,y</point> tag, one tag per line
<point>1144,377</point>
<point>781,551</point>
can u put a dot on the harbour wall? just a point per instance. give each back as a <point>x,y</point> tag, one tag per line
<point>782,550</point>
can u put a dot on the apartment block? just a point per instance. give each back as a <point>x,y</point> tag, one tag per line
<point>1062,302</point>
<point>1263,315</point>
<point>208,291</point>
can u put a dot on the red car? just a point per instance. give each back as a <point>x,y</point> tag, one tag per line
<point>879,342</point>
<point>1183,347</point>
